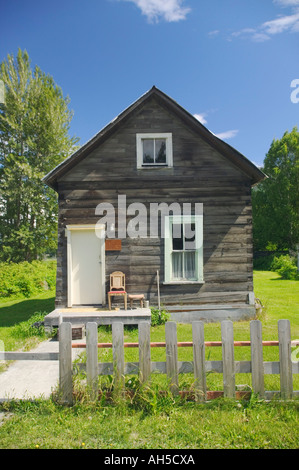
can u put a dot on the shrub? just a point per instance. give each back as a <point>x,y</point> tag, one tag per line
<point>25,279</point>
<point>159,317</point>
<point>286,267</point>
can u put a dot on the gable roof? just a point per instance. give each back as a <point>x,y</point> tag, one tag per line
<point>245,165</point>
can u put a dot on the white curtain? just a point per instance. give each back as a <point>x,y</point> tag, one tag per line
<point>177,265</point>
<point>183,265</point>
<point>189,257</point>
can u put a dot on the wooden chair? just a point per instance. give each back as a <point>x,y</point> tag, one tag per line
<point>117,287</point>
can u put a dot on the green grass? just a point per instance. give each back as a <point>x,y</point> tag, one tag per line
<point>221,424</point>
<point>18,312</point>
<point>149,420</point>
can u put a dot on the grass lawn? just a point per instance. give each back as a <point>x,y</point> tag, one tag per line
<point>14,312</point>
<point>220,424</point>
<point>151,421</point>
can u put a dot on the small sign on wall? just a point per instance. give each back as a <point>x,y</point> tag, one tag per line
<point>112,244</point>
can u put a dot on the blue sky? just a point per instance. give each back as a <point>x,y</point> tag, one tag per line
<point>229,62</point>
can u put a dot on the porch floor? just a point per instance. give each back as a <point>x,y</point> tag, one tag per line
<point>102,316</point>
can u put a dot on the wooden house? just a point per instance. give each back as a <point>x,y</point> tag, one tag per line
<point>116,213</point>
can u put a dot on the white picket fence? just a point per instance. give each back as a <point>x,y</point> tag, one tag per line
<point>257,367</point>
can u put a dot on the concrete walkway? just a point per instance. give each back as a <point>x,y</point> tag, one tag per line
<point>33,379</point>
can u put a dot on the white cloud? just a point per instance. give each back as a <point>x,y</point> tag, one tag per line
<point>201,117</point>
<point>264,32</point>
<point>260,37</point>
<point>169,10</point>
<point>227,134</point>
<point>287,3</point>
<point>281,24</point>
<point>214,33</point>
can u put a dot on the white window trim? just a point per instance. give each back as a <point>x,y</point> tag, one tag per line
<point>139,148</point>
<point>168,222</point>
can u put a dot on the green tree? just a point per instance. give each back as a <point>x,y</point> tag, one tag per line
<point>34,126</point>
<point>275,201</point>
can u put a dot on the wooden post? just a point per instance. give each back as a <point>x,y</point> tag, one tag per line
<point>65,363</point>
<point>144,351</point>
<point>158,289</point>
<point>257,365</point>
<point>118,355</point>
<point>199,360</point>
<point>286,377</point>
<point>92,358</point>
<point>172,356</point>
<point>227,335</point>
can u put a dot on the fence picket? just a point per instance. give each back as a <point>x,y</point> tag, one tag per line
<point>257,366</point>
<point>286,378</point>
<point>144,351</point>
<point>65,363</point>
<point>118,354</point>
<point>199,361</point>
<point>227,336</point>
<point>172,356</point>
<point>92,358</point>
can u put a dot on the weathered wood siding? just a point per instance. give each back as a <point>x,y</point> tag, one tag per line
<point>199,174</point>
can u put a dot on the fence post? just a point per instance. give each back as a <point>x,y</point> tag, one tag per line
<point>144,351</point>
<point>65,363</point>
<point>227,336</point>
<point>172,356</point>
<point>199,360</point>
<point>286,377</point>
<point>118,354</point>
<point>257,366</point>
<point>92,358</point>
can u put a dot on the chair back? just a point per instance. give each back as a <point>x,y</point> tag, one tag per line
<point>117,281</point>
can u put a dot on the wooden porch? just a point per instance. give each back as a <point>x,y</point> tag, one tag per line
<point>101,316</point>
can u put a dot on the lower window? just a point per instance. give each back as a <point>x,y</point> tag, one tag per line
<point>183,248</point>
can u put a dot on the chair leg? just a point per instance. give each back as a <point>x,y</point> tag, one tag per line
<point>125,299</point>
<point>109,301</point>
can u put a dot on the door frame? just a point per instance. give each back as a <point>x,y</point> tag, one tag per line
<point>99,230</point>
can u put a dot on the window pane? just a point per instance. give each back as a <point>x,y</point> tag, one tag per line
<point>177,237</point>
<point>148,151</point>
<point>189,265</point>
<point>177,265</point>
<point>160,150</point>
<point>190,237</point>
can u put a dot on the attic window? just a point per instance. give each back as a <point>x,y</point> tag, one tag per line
<point>154,150</point>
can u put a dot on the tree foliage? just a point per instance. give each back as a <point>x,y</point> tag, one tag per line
<point>275,201</point>
<point>34,126</point>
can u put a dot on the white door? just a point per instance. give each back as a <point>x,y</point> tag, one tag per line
<point>85,267</point>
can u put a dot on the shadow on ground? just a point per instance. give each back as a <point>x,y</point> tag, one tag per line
<point>24,309</point>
